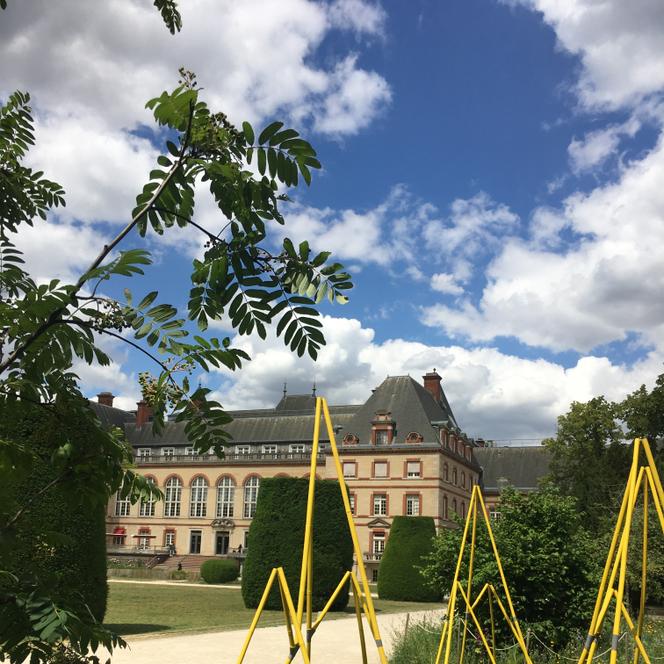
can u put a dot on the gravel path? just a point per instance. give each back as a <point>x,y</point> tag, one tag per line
<point>335,642</point>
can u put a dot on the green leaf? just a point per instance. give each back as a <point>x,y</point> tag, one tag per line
<point>270,131</point>
<point>248,132</point>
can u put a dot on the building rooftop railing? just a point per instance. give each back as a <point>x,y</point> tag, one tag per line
<point>229,458</point>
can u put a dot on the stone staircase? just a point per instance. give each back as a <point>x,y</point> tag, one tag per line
<point>189,562</point>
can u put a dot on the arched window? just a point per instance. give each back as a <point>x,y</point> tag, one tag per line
<point>463,479</point>
<point>172,496</point>
<point>251,496</point>
<point>454,476</point>
<point>454,505</point>
<point>446,472</point>
<point>147,504</point>
<point>198,498</point>
<point>122,503</point>
<point>463,510</point>
<point>225,497</point>
<point>446,514</point>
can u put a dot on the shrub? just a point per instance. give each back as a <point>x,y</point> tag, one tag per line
<point>59,541</point>
<point>219,571</point>
<point>277,533</point>
<point>399,575</point>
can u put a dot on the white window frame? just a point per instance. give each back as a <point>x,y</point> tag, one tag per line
<point>413,506</point>
<point>168,452</point>
<point>383,435</point>
<point>169,538</point>
<point>147,507</point>
<point>144,453</point>
<point>416,474</point>
<point>352,499</point>
<point>225,497</point>
<point>380,504</point>
<point>250,495</point>
<point>378,544</point>
<point>243,450</point>
<point>270,449</point>
<point>198,497</point>
<point>297,448</point>
<point>122,505</point>
<point>172,497</point>
<point>349,464</point>
<point>189,451</point>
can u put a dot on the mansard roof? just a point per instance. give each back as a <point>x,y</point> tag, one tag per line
<point>110,416</point>
<point>412,407</point>
<point>520,467</point>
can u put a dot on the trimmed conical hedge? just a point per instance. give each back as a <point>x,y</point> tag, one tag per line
<point>277,534</point>
<point>399,577</point>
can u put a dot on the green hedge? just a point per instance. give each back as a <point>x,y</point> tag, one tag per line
<point>58,542</point>
<point>219,571</point>
<point>276,536</point>
<point>399,577</point>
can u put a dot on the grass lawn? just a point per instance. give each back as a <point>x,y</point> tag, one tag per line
<point>136,608</point>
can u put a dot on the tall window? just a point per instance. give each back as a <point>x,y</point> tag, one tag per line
<point>454,505</point>
<point>381,436</point>
<point>169,538</point>
<point>122,505</point>
<point>413,469</point>
<point>198,498</point>
<point>378,545</point>
<point>463,479</point>
<point>454,476</point>
<point>251,496</point>
<point>463,510</point>
<point>380,504</point>
<point>412,505</point>
<point>172,497</point>
<point>446,472</point>
<point>446,514</point>
<point>147,504</point>
<point>143,538</point>
<point>351,500</point>
<point>380,469</point>
<point>225,497</point>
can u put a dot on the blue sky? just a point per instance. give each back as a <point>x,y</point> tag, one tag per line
<point>491,177</point>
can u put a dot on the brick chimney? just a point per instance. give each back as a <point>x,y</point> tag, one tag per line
<point>432,384</point>
<point>143,413</point>
<point>105,398</point>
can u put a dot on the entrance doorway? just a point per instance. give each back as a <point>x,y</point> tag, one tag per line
<point>222,542</point>
<point>195,541</point>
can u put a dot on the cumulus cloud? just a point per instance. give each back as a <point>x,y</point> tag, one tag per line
<point>444,282</point>
<point>493,394</point>
<point>607,284</point>
<point>597,146</point>
<point>620,45</point>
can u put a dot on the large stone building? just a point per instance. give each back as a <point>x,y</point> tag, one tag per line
<point>402,452</point>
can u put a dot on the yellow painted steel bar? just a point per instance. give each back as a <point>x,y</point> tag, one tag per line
<point>357,598</point>
<point>310,580</point>
<point>659,490</point>
<point>477,625</point>
<point>308,524</point>
<point>299,641</point>
<point>517,635</point>
<point>506,590</point>
<point>470,581</point>
<point>371,614</point>
<point>480,595</point>
<point>644,566</point>
<point>330,601</point>
<point>289,624</point>
<point>659,506</point>
<point>446,634</point>
<point>637,639</point>
<point>608,566</point>
<point>493,625</point>
<point>257,615</point>
<point>622,552</point>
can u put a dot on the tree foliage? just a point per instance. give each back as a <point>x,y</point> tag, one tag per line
<point>399,574</point>
<point>219,571</point>
<point>277,533</point>
<point>548,556</point>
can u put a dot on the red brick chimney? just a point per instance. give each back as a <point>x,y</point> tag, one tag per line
<point>105,398</point>
<point>432,384</point>
<point>143,413</point>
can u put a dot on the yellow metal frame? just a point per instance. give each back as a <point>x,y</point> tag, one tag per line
<point>361,592</point>
<point>642,478</point>
<point>488,590</point>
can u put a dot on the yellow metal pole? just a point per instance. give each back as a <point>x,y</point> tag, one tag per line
<point>308,524</point>
<point>371,614</point>
<point>299,641</point>
<point>493,626</point>
<point>470,582</point>
<point>326,608</point>
<point>446,635</point>
<point>357,596</point>
<point>622,553</point>
<point>289,625</point>
<point>637,638</point>
<point>659,490</point>
<point>480,595</point>
<point>517,628</point>
<point>257,615</point>
<point>659,507</point>
<point>644,565</point>
<point>310,578</point>
<point>477,624</point>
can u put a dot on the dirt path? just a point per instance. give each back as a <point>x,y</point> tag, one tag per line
<point>335,642</point>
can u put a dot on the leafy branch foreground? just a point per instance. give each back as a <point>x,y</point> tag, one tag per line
<point>45,328</point>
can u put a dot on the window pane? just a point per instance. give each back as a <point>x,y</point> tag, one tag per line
<point>380,469</point>
<point>413,469</point>
<point>349,469</point>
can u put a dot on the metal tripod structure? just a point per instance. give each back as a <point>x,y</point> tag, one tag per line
<point>488,591</point>
<point>643,479</point>
<point>295,615</point>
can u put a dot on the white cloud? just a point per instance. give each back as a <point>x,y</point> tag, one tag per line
<point>444,282</point>
<point>493,394</point>
<point>362,16</point>
<point>607,284</point>
<point>597,146</point>
<point>620,44</point>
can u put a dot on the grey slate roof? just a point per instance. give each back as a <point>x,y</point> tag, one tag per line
<point>413,408</point>
<point>111,417</point>
<point>522,467</point>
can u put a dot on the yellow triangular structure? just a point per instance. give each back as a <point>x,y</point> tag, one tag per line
<point>361,593</point>
<point>643,478</point>
<point>445,644</point>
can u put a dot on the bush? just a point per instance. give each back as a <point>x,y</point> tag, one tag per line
<point>399,575</point>
<point>219,571</point>
<point>59,542</point>
<point>277,533</point>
